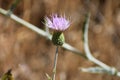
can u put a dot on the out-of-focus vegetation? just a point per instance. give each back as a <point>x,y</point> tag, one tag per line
<point>31,56</point>
<point>7,75</point>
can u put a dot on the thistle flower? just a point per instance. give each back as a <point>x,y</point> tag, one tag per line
<point>58,24</point>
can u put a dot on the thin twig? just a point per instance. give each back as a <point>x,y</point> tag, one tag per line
<point>55,63</point>
<point>86,46</point>
<point>109,69</point>
<point>40,31</point>
<point>99,70</point>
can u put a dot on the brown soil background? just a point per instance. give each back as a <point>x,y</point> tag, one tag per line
<point>31,55</point>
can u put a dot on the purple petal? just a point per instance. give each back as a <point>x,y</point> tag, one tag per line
<point>57,23</point>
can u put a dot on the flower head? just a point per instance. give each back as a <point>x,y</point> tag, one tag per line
<point>58,23</point>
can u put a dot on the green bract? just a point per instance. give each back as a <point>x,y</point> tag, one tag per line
<point>58,38</point>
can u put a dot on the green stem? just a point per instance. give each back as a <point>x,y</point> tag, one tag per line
<point>55,63</point>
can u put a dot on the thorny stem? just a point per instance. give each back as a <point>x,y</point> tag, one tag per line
<point>55,63</point>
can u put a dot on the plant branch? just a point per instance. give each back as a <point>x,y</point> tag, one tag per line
<point>39,31</point>
<point>99,70</point>
<point>104,67</point>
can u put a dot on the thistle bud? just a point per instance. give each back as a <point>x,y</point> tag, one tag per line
<point>58,38</point>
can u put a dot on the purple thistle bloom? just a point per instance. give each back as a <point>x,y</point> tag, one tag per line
<point>57,23</point>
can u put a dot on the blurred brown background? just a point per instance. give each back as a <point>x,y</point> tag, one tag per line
<point>31,55</point>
